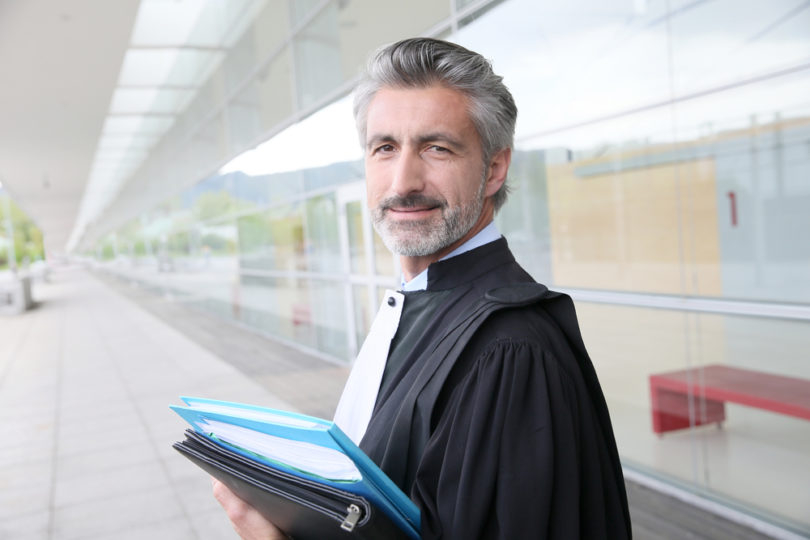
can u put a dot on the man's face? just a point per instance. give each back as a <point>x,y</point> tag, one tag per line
<point>424,169</point>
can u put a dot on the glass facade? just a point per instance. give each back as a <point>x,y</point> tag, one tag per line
<point>660,177</point>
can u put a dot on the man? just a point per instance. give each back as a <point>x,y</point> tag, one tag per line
<point>473,391</point>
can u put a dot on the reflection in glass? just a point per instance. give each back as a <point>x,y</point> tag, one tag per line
<point>328,307</point>
<point>362,314</point>
<point>360,31</point>
<point>275,100</point>
<point>317,57</point>
<point>357,246</point>
<point>255,242</point>
<point>664,156</point>
<point>524,220</point>
<point>322,245</point>
<point>383,259</point>
<point>301,9</point>
<point>244,118</point>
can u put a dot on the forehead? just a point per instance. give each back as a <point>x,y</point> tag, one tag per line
<point>407,110</point>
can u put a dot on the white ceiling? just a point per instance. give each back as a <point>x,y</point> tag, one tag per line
<point>59,65</point>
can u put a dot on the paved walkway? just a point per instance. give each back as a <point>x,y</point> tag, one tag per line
<point>85,383</point>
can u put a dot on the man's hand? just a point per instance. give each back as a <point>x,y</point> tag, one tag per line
<point>248,523</point>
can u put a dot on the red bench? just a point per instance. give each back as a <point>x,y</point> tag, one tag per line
<point>706,389</point>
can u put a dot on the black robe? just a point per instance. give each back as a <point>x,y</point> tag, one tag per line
<point>506,433</point>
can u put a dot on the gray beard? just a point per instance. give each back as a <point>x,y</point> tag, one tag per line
<point>425,237</point>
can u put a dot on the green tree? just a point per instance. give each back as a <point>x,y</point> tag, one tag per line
<point>28,244</point>
<point>213,204</point>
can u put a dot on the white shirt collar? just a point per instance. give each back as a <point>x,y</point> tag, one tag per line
<point>485,236</point>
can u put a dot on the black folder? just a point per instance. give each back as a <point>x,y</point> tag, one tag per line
<point>301,508</point>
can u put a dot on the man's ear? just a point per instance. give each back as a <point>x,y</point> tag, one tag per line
<point>498,167</point>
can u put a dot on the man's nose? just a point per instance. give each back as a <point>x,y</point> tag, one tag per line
<point>408,174</point>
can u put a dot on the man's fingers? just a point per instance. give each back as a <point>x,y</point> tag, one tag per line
<point>247,522</point>
<point>221,492</point>
<point>235,507</point>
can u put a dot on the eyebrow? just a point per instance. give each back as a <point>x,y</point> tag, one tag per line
<point>443,137</point>
<point>377,139</point>
<point>438,136</point>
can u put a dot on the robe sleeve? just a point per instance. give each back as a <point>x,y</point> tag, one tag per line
<point>516,454</point>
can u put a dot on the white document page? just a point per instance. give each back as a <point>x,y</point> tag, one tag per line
<point>258,415</point>
<point>308,457</point>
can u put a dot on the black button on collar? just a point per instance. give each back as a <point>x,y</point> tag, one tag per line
<point>392,301</point>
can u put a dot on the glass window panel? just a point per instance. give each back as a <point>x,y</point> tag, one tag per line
<point>287,229</point>
<point>301,9</point>
<point>255,241</point>
<point>300,313</point>
<point>360,31</point>
<point>309,145</point>
<point>219,20</point>
<point>381,295</point>
<point>322,243</point>
<point>171,100</point>
<point>362,314</point>
<point>158,67</point>
<point>748,127</point>
<point>317,57</point>
<point>274,90</point>
<point>147,67</point>
<point>208,145</point>
<point>553,54</point>
<point>273,240</point>
<point>759,198</point>
<point>328,306</point>
<point>285,186</point>
<point>686,185</point>
<point>209,97</point>
<point>309,312</point>
<point>761,37</point>
<point>165,23</point>
<point>277,306</point>
<point>357,245</point>
<point>240,62</point>
<point>155,125</point>
<point>200,23</point>
<point>126,140</point>
<point>333,175</point>
<point>212,203</point>
<point>271,28</point>
<point>132,100</point>
<point>383,259</point>
<point>179,244</point>
<point>244,121</point>
<point>265,189</point>
<point>122,124</point>
<point>635,241</point>
<point>524,219</point>
<point>460,4</point>
<point>117,155</point>
<point>664,341</point>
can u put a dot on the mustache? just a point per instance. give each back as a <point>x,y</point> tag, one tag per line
<point>411,201</point>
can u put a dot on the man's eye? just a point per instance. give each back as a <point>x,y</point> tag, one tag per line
<point>437,148</point>
<point>384,148</point>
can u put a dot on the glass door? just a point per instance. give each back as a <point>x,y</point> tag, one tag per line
<point>369,266</point>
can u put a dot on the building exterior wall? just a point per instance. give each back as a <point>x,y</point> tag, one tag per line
<point>661,176</point>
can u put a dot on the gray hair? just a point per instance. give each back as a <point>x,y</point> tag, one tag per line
<point>424,62</point>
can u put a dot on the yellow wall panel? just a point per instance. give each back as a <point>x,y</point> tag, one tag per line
<point>651,229</point>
